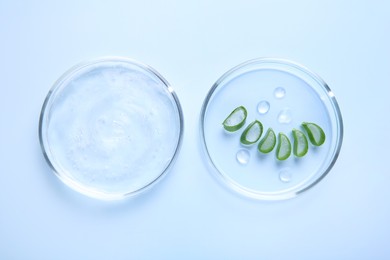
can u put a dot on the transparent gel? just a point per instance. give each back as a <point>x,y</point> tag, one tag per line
<point>111,128</point>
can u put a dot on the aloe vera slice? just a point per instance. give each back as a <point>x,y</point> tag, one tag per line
<point>252,133</point>
<point>300,146</point>
<point>283,150</point>
<point>315,133</point>
<point>236,119</point>
<point>267,144</point>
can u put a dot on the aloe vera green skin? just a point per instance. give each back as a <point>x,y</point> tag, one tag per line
<point>283,150</point>
<point>300,146</point>
<point>315,133</point>
<point>268,142</point>
<point>244,135</point>
<point>232,128</point>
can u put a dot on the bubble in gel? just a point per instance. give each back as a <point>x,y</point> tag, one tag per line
<point>285,175</point>
<point>263,107</point>
<point>279,92</point>
<point>243,156</point>
<point>285,116</point>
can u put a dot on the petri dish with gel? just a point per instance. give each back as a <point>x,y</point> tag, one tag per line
<point>111,127</point>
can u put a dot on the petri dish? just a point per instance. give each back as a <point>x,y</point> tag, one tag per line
<point>111,127</point>
<point>281,94</point>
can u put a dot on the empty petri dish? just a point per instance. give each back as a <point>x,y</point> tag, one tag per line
<point>282,95</point>
<point>111,127</point>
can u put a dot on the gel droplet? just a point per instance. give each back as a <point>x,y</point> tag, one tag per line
<point>285,116</point>
<point>243,156</point>
<point>279,92</point>
<point>285,175</point>
<point>263,107</point>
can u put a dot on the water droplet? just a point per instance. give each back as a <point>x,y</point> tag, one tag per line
<point>285,116</point>
<point>243,156</point>
<point>279,92</point>
<point>263,107</point>
<point>285,175</point>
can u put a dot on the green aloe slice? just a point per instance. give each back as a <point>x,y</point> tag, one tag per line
<point>267,144</point>
<point>252,133</point>
<point>283,150</point>
<point>236,119</point>
<point>300,146</point>
<point>315,133</point>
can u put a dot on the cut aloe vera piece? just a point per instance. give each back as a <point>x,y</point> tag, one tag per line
<point>267,144</point>
<point>315,133</point>
<point>300,146</point>
<point>236,119</point>
<point>283,150</point>
<point>252,133</point>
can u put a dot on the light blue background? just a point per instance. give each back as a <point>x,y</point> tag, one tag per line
<point>189,214</point>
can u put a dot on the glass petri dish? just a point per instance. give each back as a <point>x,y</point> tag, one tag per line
<point>280,94</point>
<point>111,127</point>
